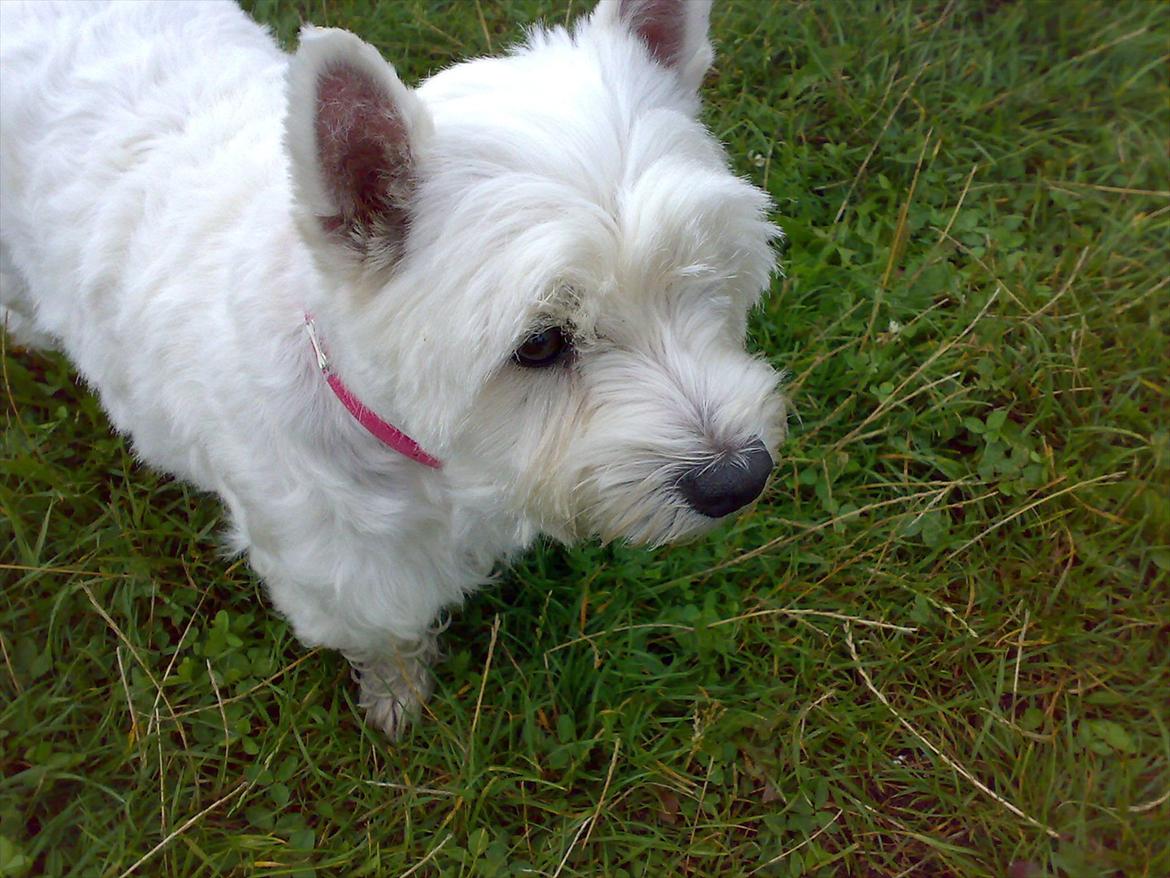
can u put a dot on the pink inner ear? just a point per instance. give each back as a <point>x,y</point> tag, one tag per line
<point>363,149</point>
<point>660,23</point>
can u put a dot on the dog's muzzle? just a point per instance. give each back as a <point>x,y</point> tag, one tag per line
<point>728,483</point>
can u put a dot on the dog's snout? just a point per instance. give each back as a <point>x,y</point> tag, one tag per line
<point>719,488</point>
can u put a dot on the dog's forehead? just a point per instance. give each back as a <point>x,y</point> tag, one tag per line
<point>586,109</point>
<point>586,188</point>
<point>606,184</point>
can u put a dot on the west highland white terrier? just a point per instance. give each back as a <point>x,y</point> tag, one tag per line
<point>399,332</point>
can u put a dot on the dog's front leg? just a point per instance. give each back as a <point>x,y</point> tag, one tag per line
<point>395,682</point>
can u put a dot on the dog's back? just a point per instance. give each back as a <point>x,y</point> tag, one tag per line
<point>100,105</point>
<point>135,138</point>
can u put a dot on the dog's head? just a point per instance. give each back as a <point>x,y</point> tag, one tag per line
<point>541,267</point>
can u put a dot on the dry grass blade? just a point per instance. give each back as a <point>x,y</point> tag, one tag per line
<point>922,739</point>
<point>487,666</point>
<point>1109,477</point>
<point>186,824</point>
<point>431,854</point>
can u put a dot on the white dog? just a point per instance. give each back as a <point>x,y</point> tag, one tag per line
<point>399,332</point>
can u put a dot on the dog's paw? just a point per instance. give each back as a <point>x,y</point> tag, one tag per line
<point>392,713</point>
<point>394,688</point>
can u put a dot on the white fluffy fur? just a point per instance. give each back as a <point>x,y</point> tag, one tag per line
<point>160,206</point>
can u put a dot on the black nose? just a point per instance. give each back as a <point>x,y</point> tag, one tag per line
<point>729,483</point>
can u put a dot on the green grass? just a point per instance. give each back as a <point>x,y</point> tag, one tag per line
<point>939,646</point>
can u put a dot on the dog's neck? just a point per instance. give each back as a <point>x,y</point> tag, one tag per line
<point>383,431</point>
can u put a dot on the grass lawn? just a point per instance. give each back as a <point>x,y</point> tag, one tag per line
<point>939,645</point>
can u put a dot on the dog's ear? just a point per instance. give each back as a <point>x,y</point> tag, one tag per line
<point>353,132</point>
<point>675,31</point>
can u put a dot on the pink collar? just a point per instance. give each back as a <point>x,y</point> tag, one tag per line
<point>386,433</point>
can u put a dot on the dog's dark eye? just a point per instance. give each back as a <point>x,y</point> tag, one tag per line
<point>543,348</point>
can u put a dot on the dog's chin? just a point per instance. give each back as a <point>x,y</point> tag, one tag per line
<point>656,522</point>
